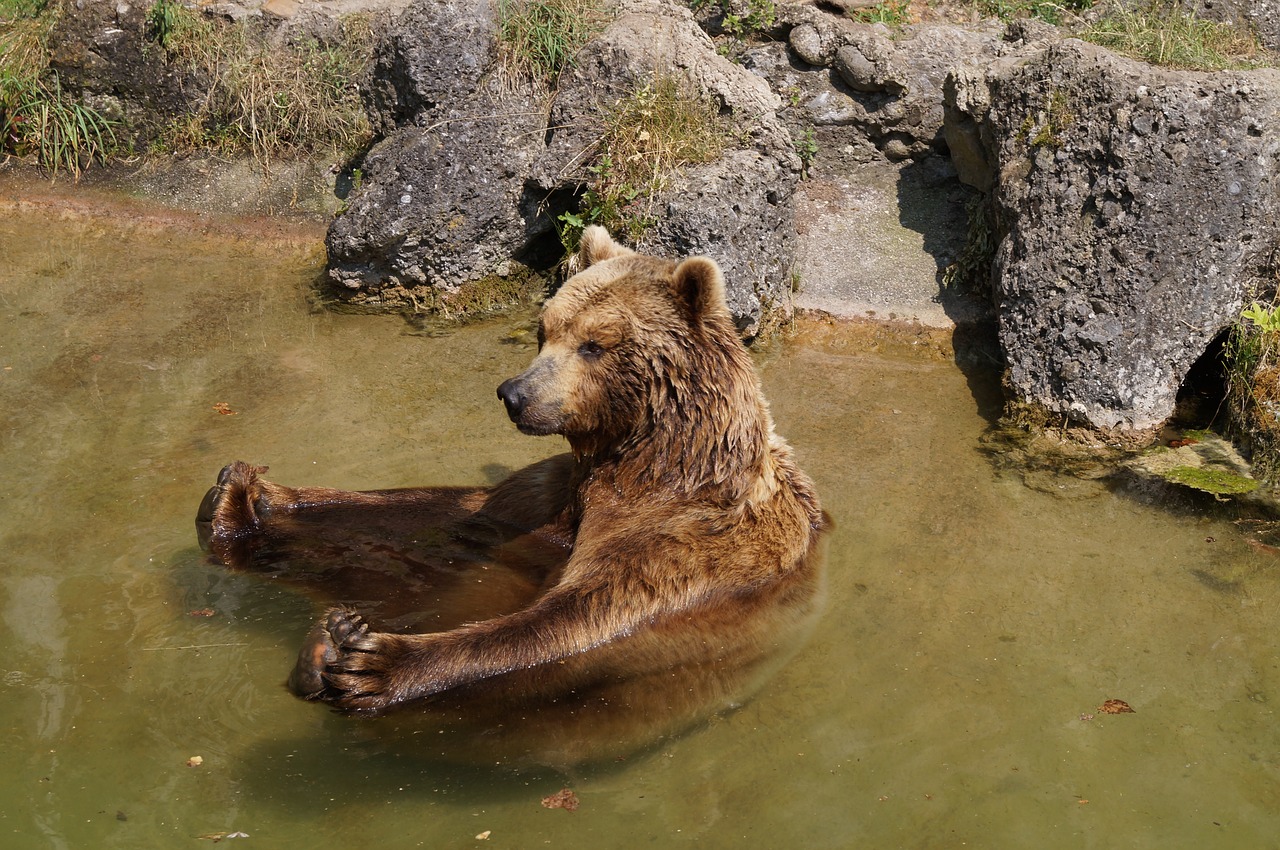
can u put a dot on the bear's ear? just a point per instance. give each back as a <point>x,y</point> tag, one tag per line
<point>698,288</point>
<point>596,246</point>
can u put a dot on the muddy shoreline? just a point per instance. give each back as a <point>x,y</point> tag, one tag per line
<point>29,192</point>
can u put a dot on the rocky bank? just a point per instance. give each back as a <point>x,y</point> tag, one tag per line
<point>1108,217</point>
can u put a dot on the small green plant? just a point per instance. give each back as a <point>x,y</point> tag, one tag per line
<point>807,150</point>
<point>38,117</point>
<point>539,38</point>
<point>742,18</point>
<point>164,22</point>
<point>1048,127</point>
<point>649,136</point>
<point>1162,32</point>
<point>1044,10</point>
<point>759,16</point>
<point>1265,319</point>
<point>893,13</point>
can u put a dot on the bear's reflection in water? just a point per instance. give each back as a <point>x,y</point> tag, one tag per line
<point>592,603</point>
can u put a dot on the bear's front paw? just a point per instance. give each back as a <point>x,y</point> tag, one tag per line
<point>358,665</point>
<point>321,649</point>
<point>231,512</point>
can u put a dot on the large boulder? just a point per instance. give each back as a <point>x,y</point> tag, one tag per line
<point>1138,209</point>
<point>473,170</point>
<point>738,208</point>
<point>885,84</point>
<point>441,201</point>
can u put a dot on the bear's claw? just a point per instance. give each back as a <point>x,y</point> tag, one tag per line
<point>343,664</point>
<point>322,650</point>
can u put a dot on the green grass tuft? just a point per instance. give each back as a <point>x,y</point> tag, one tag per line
<point>538,39</point>
<point>1163,33</point>
<point>649,136</point>
<point>38,117</point>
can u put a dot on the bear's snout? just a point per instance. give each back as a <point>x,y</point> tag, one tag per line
<point>512,393</point>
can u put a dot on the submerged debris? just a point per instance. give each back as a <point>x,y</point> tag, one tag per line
<point>562,799</point>
<point>1218,482</point>
<point>1202,461</point>
<point>1116,706</point>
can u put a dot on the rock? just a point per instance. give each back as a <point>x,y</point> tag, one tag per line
<point>807,44</point>
<point>890,89</point>
<point>737,209</point>
<point>1139,211</point>
<point>440,207</point>
<point>814,34</point>
<point>102,52</point>
<point>434,56</point>
<point>869,63</point>
<point>443,198</point>
<point>472,173</point>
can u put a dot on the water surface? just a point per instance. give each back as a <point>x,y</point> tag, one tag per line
<point>948,698</point>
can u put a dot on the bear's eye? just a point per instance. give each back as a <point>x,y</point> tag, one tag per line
<point>591,349</point>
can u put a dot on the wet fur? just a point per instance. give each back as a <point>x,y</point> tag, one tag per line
<point>678,540</point>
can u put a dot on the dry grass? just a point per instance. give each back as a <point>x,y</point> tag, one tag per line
<point>650,135</point>
<point>268,101</point>
<point>1163,33</point>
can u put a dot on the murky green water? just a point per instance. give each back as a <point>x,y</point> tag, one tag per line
<point>972,620</point>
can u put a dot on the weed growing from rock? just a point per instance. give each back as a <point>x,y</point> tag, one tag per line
<point>741,18</point>
<point>1163,33</point>
<point>538,39</point>
<point>1049,11</point>
<point>892,13</point>
<point>971,272</point>
<point>649,136</point>
<point>807,149</point>
<point>1251,357</point>
<point>1048,126</point>
<point>38,117</point>
<point>268,101</point>
<point>740,21</point>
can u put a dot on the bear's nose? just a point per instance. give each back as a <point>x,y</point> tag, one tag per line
<point>511,392</point>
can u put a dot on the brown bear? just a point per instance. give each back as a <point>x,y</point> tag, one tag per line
<point>653,572</point>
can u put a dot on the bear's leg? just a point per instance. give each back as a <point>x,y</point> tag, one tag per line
<point>245,518</point>
<point>374,671</point>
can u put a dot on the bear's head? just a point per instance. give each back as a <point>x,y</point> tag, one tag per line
<point>638,358</point>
